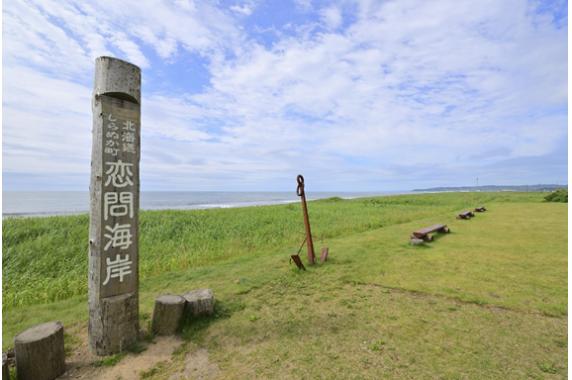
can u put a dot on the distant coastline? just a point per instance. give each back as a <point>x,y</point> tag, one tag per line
<point>54,203</point>
<point>525,188</point>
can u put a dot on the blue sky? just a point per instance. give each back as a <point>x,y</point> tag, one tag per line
<point>244,95</point>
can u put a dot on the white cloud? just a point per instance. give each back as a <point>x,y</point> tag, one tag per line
<point>130,49</point>
<point>304,4</point>
<point>332,17</point>
<point>68,35</point>
<point>46,123</point>
<point>404,85</point>
<point>245,9</point>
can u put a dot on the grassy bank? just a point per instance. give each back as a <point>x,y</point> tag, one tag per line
<point>487,300</point>
<point>45,259</point>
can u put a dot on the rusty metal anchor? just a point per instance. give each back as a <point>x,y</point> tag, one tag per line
<point>300,192</point>
<point>308,239</point>
<point>296,258</point>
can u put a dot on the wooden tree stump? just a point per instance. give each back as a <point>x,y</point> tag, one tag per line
<point>167,314</point>
<point>199,302</point>
<point>40,352</point>
<point>5,368</point>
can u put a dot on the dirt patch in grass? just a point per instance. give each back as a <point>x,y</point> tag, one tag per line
<point>197,366</point>
<point>82,364</point>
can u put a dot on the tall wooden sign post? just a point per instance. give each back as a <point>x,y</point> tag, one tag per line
<point>114,198</point>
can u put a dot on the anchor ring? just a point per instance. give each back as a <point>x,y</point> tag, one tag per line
<point>300,188</point>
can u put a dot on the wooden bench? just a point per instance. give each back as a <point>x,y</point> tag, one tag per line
<point>425,233</point>
<point>480,209</point>
<point>465,215</point>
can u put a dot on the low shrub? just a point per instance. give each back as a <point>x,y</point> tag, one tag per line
<point>560,195</point>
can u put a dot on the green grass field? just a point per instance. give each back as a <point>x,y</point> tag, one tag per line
<point>488,300</point>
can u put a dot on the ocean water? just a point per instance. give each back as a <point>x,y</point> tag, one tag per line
<point>45,203</point>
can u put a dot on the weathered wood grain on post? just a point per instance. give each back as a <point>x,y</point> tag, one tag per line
<point>40,352</point>
<point>114,207</point>
<point>167,314</point>
<point>199,303</point>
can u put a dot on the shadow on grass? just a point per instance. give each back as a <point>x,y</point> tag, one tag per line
<point>439,236</point>
<point>435,238</point>
<point>194,328</point>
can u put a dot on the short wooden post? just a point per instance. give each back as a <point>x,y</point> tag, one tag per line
<point>199,302</point>
<point>114,198</point>
<point>167,314</point>
<point>324,255</point>
<point>40,352</point>
<point>5,367</point>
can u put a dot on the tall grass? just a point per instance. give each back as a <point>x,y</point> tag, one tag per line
<point>45,259</point>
